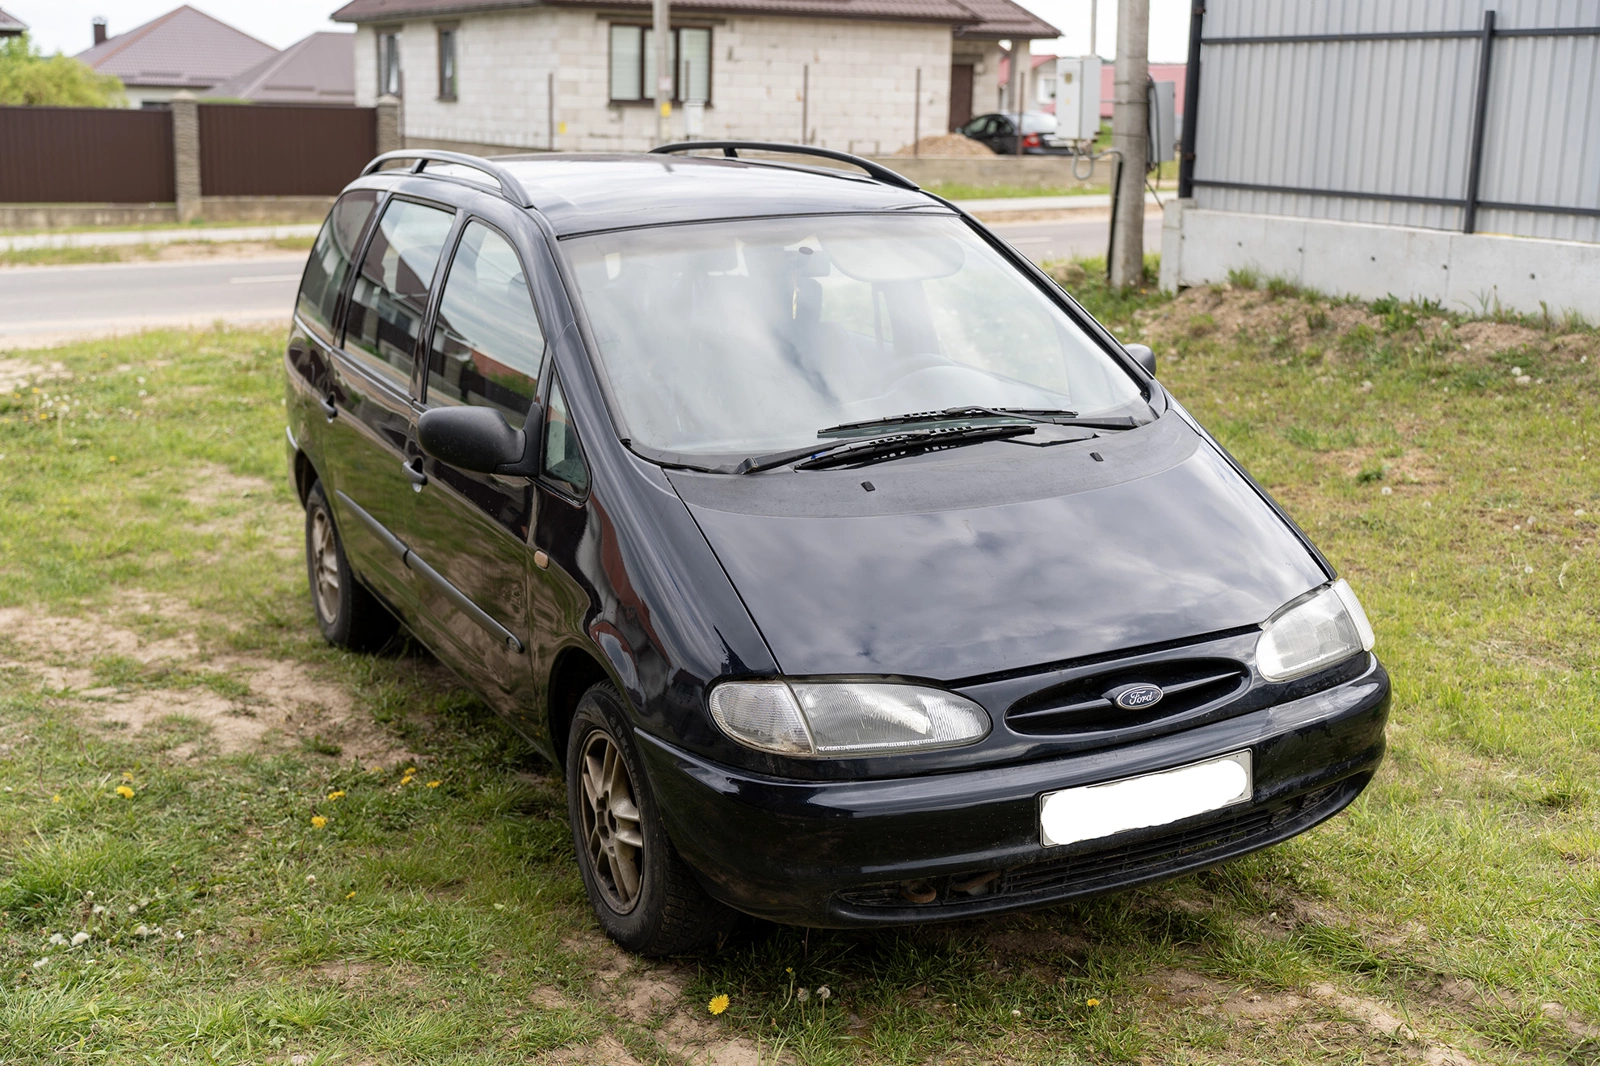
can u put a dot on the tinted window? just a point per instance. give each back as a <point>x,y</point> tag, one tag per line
<point>563,460</point>
<point>330,260</point>
<point>487,344</point>
<point>391,292</point>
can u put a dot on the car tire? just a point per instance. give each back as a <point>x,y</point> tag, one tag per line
<point>348,615</point>
<point>643,893</point>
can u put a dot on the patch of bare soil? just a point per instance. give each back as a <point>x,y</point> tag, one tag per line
<point>947,145</point>
<point>211,484</point>
<point>19,374</point>
<point>1186,989</point>
<point>239,702</point>
<point>650,996</point>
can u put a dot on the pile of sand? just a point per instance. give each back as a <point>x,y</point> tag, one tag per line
<point>947,145</point>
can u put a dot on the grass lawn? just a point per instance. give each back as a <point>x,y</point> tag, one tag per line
<point>130,253</point>
<point>222,841</point>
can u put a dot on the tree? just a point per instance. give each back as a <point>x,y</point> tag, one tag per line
<point>27,77</point>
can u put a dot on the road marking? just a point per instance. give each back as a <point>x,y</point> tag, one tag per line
<point>264,278</point>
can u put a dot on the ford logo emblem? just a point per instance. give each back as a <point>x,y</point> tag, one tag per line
<point>1137,697</point>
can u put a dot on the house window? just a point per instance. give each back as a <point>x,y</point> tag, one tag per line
<point>633,64</point>
<point>447,62</point>
<point>388,62</point>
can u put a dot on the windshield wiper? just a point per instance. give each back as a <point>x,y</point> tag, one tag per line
<point>1052,416</point>
<point>890,446</point>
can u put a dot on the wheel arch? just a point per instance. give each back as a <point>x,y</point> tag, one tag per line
<point>573,673</point>
<point>305,475</point>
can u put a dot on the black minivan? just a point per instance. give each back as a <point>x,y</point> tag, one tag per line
<point>850,570</point>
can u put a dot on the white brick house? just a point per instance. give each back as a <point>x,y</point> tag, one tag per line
<point>837,73</point>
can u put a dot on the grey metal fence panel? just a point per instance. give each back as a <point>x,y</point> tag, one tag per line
<point>1391,121</point>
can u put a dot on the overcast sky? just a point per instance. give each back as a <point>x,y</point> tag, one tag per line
<point>64,24</point>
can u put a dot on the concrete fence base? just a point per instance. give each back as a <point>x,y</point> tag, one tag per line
<point>1471,273</point>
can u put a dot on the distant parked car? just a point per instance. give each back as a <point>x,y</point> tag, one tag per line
<point>999,132</point>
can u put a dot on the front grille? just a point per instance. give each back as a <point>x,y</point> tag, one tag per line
<point>1086,872</point>
<point>1085,705</point>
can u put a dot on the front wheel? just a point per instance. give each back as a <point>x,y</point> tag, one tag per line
<point>643,893</point>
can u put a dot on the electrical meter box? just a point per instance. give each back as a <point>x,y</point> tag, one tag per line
<point>1078,98</point>
<point>1163,145</point>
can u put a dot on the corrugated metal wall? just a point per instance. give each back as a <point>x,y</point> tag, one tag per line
<point>283,150</point>
<point>1395,117</point>
<point>85,155</point>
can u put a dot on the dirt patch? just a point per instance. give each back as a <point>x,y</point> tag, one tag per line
<point>237,702</point>
<point>1498,336</point>
<point>19,374</point>
<point>211,485</point>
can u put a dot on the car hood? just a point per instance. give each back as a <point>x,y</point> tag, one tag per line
<point>1001,556</point>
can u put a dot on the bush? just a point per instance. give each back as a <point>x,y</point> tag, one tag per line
<point>31,79</point>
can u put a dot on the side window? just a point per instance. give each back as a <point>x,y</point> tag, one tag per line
<point>330,260</point>
<point>563,460</point>
<point>391,291</point>
<point>487,345</point>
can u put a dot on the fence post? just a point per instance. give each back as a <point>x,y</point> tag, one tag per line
<point>1480,113</point>
<point>389,139</point>
<point>1191,101</point>
<point>186,155</point>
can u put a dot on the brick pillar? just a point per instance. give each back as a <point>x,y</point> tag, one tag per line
<point>186,154</point>
<point>389,136</point>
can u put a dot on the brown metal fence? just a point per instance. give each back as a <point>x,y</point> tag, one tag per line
<point>85,155</point>
<point>267,150</point>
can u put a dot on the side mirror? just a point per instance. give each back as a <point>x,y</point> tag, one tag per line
<point>1143,355</point>
<point>478,439</point>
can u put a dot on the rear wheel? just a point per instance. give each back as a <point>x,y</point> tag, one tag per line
<point>642,891</point>
<point>348,615</point>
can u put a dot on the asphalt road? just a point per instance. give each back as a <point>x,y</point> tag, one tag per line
<point>40,305</point>
<point>44,305</point>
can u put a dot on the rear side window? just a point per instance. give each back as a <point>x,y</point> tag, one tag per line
<point>330,260</point>
<point>391,291</point>
<point>487,345</point>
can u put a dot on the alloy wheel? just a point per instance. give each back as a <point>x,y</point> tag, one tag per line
<point>325,565</point>
<point>611,822</point>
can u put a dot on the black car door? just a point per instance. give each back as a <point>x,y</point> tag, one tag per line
<point>372,477</point>
<point>487,348</point>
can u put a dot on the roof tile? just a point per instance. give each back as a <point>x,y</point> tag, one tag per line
<point>184,47</point>
<point>320,69</point>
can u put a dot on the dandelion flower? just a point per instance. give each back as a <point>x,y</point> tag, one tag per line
<point>1016,1014</point>
<point>318,821</point>
<point>58,940</point>
<point>40,964</point>
<point>824,992</point>
<point>435,784</point>
<point>1092,1002</point>
<point>336,795</point>
<point>788,969</point>
<point>125,792</point>
<point>406,780</point>
<point>127,775</point>
<point>803,995</point>
<point>349,895</point>
<point>79,938</point>
<point>718,1004</point>
<point>56,798</point>
<point>410,770</point>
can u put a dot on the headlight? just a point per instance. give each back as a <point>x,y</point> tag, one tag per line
<point>806,718</point>
<point>1316,630</point>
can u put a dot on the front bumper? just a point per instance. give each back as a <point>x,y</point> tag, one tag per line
<point>837,853</point>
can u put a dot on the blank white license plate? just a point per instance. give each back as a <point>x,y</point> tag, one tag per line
<point>1090,812</point>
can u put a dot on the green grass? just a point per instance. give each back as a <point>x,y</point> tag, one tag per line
<point>155,536</point>
<point>128,253</point>
<point>955,190</point>
<point>142,227</point>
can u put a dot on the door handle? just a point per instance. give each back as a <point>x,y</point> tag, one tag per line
<point>414,472</point>
<point>329,408</point>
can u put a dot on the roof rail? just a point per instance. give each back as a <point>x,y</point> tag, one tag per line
<point>730,150</point>
<point>510,187</point>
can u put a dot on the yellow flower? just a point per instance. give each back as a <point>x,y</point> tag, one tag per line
<point>125,792</point>
<point>406,780</point>
<point>718,1004</point>
<point>349,895</point>
<point>113,458</point>
<point>336,795</point>
<point>56,798</point>
<point>435,784</point>
<point>410,770</point>
<point>127,775</point>
<point>318,821</point>
<point>1092,1002</point>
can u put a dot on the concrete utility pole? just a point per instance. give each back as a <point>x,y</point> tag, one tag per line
<point>1129,134</point>
<point>1021,60</point>
<point>1094,28</point>
<point>663,35</point>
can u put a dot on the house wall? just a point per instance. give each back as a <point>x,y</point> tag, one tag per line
<point>862,80</point>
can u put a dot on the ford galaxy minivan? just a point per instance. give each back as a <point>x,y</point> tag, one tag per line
<point>850,571</point>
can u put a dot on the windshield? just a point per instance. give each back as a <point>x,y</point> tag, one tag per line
<point>750,336</point>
